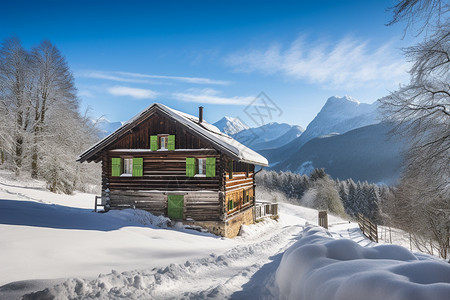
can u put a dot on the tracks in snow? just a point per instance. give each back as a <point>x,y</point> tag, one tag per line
<point>239,273</point>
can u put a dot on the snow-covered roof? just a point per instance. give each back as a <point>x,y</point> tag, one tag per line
<point>211,133</point>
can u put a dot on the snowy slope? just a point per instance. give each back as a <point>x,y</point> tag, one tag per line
<point>268,135</point>
<point>319,266</point>
<point>294,132</point>
<point>41,241</point>
<point>230,125</point>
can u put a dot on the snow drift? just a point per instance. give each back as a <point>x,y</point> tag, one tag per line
<point>320,267</point>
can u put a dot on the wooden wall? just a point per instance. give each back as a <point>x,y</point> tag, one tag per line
<point>164,170</point>
<point>139,137</point>
<point>165,173</point>
<point>198,205</point>
<point>234,190</point>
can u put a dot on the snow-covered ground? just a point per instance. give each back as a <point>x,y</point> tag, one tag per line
<point>47,238</point>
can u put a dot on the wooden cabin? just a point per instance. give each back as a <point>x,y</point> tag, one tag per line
<point>170,163</point>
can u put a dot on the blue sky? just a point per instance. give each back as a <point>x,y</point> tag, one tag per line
<point>126,55</point>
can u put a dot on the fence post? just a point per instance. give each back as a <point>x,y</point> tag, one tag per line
<point>95,205</point>
<point>323,219</point>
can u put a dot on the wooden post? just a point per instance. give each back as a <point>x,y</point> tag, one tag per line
<point>95,204</point>
<point>323,219</point>
<point>390,234</point>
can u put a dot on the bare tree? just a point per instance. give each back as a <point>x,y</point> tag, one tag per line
<point>421,111</point>
<point>41,129</point>
<point>419,14</point>
<point>15,82</point>
<point>54,83</point>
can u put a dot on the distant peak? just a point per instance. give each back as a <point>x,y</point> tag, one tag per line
<point>338,99</point>
<point>230,125</point>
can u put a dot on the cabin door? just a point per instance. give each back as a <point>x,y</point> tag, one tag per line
<point>175,206</point>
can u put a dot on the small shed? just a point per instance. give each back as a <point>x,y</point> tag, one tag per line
<point>171,163</point>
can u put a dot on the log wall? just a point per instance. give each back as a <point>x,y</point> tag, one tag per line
<point>139,136</point>
<point>164,174</point>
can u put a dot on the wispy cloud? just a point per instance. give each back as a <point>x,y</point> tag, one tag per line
<point>85,93</point>
<point>349,63</point>
<point>132,92</point>
<point>147,78</point>
<point>210,96</point>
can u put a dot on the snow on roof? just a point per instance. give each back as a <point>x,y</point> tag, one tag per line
<point>204,129</point>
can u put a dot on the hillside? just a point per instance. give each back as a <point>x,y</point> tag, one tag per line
<point>364,153</point>
<point>54,246</point>
<point>270,134</point>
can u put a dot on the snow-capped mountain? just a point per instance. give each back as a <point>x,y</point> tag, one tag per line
<point>339,115</point>
<point>270,135</point>
<point>365,153</point>
<point>347,139</point>
<point>105,126</point>
<point>230,125</point>
<point>294,132</point>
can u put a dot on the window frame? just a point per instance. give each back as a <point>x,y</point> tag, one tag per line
<point>160,141</point>
<point>125,168</point>
<point>203,169</point>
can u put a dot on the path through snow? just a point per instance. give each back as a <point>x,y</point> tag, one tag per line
<point>47,236</point>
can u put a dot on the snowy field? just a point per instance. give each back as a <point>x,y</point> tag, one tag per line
<point>55,244</point>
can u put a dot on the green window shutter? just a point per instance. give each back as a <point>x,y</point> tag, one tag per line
<point>116,164</point>
<point>153,142</point>
<point>138,169</point>
<point>230,204</point>
<point>210,167</point>
<point>175,206</point>
<point>190,166</point>
<point>171,142</point>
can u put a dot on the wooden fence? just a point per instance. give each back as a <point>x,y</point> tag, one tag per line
<point>263,210</point>
<point>368,228</point>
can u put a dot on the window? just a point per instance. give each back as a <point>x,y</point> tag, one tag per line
<point>230,204</point>
<point>245,197</point>
<point>127,167</point>
<point>163,142</point>
<point>201,166</point>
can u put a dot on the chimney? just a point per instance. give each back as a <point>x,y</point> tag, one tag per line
<point>200,114</point>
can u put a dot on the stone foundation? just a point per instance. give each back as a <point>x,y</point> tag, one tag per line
<point>215,227</point>
<point>229,228</point>
<point>233,225</point>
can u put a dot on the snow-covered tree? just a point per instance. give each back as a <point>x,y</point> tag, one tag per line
<point>15,89</point>
<point>421,110</point>
<point>41,129</point>
<point>54,87</point>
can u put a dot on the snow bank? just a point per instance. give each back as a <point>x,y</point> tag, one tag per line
<point>141,217</point>
<point>258,229</point>
<point>320,267</point>
<point>211,277</point>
